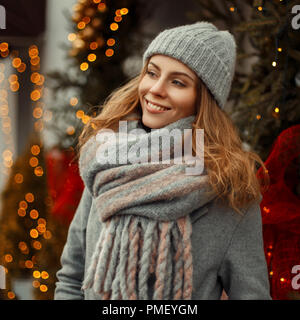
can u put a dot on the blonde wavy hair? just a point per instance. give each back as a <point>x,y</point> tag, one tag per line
<point>230,168</point>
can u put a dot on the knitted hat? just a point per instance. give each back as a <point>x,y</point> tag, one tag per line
<point>209,52</point>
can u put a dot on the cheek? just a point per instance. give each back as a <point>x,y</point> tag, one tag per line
<point>142,88</point>
<point>186,102</point>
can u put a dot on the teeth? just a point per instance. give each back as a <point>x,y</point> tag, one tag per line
<point>153,106</point>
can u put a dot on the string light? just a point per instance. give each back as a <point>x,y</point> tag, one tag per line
<point>92,57</point>
<point>73,101</point>
<point>114,26</point>
<point>84,66</point>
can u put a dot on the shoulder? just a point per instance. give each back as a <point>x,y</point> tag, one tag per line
<point>223,216</point>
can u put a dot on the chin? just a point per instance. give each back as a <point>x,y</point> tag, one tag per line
<point>154,123</point>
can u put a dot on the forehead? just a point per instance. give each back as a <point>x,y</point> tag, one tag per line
<point>171,64</point>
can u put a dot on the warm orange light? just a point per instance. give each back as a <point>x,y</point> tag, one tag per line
<point>271,273</point>
<point>81,25</point>
<point>33,161</point>
<point>28,264</point>
<point>109,52</point>
<point>22,246</point>
<point>41,228</point>
<point>14,86</point>
<point>37,112</point>
<point>19,178</point>
<point>22,67</point>
<point>85,119</point>
<point>276,110</point>
<point>16,62</point>
<point>34,233</point>
<point>47,234</point>
<point>232,9</point>
<point>124,11</point>
<point>84,66</point>
<point>42,221</point>
<point>110,42</point>
<point>36,274</point>
<point>45,275</point>
<point>92,57</point>
<point>23,204</point>
<point>3,46</point>
<point>259,8</point>
<point>118,18</point>
<point>35,95</point>
<point>79,114</point>
<point>114,26</point>
<point>282,279</point>
<point>96,1</point>
<point>70,130</point>
<point>38,171</point>
<point>8,258</point>
<point>11,295</point>
<point>21,212</point>
<point>33,52</point>
<point>86,20</point>
<point>37,245</point>
<point>35,61</point>
<point>35,77</point>
<point>71,36</point>
<point>35,284</point>
<point>13,78</point>
<point>101,7</point>
<point>258,116</point>
<point>93,45</point>
<point>35,149</point>
<point>118,12</point>
<point>34,214</point>
<point>73,101</point>
<point>29,197</point>
<point>43,288</point>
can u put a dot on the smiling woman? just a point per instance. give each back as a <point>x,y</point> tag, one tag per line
<point>167,92</point>
<point>148,230</point>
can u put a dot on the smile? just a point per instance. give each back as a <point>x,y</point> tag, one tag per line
<point>155,108</point>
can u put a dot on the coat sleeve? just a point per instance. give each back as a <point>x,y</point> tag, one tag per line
<point>70,276</point>
<point>244,272</point>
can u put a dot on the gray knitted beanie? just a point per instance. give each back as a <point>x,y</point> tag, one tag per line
<point>209,52</point>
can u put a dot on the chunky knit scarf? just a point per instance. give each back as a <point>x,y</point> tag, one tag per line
<point>144,210</point>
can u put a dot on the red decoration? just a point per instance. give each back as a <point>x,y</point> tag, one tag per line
<point>280,209</point>
<point>64,183</point>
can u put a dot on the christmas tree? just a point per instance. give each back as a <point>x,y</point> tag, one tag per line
<point>266,98</point>
<point>103,35</point>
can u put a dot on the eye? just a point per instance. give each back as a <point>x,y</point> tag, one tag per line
<point>178,83</point>
<point>150,73</point>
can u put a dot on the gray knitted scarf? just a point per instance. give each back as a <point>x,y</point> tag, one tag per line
<point>144,210</point>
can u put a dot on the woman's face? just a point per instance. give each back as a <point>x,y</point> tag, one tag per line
<point>167,92</point>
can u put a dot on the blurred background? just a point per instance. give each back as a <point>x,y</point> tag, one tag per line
<point>59,60</point>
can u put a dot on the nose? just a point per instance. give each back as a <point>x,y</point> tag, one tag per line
<point>158,88</point>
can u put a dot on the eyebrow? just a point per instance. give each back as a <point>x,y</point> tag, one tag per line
<point>175,72</point>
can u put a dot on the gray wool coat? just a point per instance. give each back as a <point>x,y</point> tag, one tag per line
<point>227,252</point>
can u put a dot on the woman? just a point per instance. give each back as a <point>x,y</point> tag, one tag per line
<point>149,230</point>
